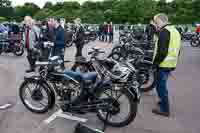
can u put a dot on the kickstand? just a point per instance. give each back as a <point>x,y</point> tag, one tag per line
<point>105,122</point>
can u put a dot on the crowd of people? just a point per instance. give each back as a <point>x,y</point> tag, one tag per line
<point>52,31</point>
<point>106,32</point>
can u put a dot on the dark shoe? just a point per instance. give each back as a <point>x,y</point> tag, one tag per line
<point>159,103</point>
<point>30,70</point>
<point>159,112</point>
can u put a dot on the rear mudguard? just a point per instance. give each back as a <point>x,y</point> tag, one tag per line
<point>134,91</point>
<point>44,82</point>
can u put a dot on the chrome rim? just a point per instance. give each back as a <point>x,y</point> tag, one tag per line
<point>124,106</point>
<point>28,99</point>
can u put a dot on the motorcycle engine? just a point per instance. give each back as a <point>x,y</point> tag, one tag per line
<point>67,91</point>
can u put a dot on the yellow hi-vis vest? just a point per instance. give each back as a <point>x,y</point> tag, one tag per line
<point>174,47</point>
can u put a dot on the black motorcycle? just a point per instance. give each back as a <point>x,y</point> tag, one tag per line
<point>12,46</point>
<point>146,72</point>
<point>78,93</point>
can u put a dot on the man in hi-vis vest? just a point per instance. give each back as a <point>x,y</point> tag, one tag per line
<point>166,57</point>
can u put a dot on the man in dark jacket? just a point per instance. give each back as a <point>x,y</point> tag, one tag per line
<point>167,52</point>
<point>79,37</point>
<point>59,42</point>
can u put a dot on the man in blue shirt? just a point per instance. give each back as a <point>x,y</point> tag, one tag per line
<point>59,41</point>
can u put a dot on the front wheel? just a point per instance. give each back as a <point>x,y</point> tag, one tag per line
<point>123,108</point>
<point>148,80</point>
<point>35,96</point>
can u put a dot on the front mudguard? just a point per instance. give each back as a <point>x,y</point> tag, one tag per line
<point>44,82</point>
<point>133,90</point>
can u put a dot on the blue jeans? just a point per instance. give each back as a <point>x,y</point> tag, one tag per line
<point>162,90</point>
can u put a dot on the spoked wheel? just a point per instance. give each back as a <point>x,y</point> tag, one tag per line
<point>19,49</point>
<point>35,97</point>
<point>123,108</point>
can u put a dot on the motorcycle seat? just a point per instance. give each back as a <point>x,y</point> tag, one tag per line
<point>85,77</point>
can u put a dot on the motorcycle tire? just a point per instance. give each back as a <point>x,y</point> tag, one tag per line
<point>194,42</point>
<point>133,106</point>
<point>19,52</point>
<point>30,107</point>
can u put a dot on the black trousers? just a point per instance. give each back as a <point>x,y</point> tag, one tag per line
<point>79,48</point>
<point>31,57</point>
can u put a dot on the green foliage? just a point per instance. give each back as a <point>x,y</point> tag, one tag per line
<point>118,11</point>
<point>2,19</point>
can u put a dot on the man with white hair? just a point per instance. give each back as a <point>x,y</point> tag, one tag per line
<point>31,38</point>
<point>166,57</point>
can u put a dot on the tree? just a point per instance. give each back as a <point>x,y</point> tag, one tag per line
<point>6,9</point>
<point>48,5</point>
<point>27,9</point>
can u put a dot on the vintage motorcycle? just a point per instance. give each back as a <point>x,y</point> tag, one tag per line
<point>81,93</point>
<point>12,46</point>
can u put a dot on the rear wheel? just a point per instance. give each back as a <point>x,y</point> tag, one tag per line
<point>123,104</point>
<point>19,49</point>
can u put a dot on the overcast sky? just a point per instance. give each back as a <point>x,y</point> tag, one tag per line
<point>41,3</point>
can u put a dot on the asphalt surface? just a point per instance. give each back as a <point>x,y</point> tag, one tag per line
<point>184,97</point>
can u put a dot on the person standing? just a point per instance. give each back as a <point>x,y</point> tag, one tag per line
<point>78,37</point>
<point>110,32</point>
<point>50,30</point>
<point>166,58</point>
<point>105,32</point>
<point>59,42</point>
<point>100,33</point>
<point>198,30</point>
<point>31,38</point>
